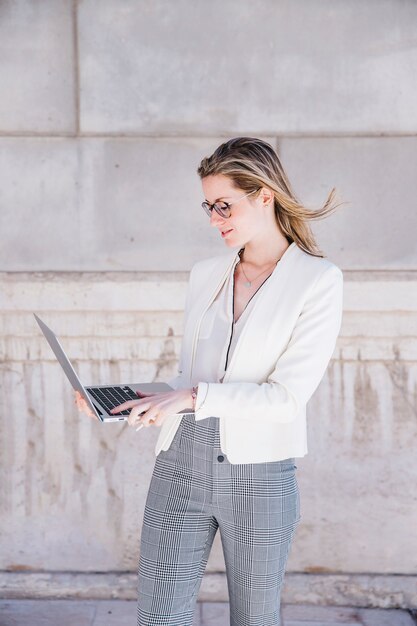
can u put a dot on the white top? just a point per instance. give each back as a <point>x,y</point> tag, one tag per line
<point>219,333</point>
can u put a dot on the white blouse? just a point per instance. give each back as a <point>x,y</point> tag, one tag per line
<point>219,333</point>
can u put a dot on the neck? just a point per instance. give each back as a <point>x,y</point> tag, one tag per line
<point>262,256</point>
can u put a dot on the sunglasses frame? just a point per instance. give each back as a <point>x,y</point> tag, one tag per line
<point>208,208</point>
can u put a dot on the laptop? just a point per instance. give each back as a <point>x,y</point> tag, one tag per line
<point>100,398</point>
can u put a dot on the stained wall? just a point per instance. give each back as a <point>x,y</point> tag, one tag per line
<point>104,116</point>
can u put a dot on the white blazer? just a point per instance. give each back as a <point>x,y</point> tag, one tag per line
<point>278,361</point>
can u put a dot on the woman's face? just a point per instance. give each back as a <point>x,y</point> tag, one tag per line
<point>246,219</point>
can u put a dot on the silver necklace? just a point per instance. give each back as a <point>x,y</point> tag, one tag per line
<point>248,282</point>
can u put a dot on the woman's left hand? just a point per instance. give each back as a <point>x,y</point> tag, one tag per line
<point>153,408</point>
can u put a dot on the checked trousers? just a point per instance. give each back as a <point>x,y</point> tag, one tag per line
<point>194,491</point>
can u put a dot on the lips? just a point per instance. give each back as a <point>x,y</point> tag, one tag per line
<point>224,232</point>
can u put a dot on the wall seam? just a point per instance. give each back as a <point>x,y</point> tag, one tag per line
<point>220,135</point>
<point>75,69</point>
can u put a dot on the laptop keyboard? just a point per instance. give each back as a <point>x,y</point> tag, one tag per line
<point>110,397</point>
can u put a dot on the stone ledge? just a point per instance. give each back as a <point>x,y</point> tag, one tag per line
<point>350,275</point>
<point>355,590</point>
<point>123,613</point>
<point>21,292</point>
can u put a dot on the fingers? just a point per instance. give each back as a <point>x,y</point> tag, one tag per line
<point>148,420</point>
<point>141,414</point>
<point>137,407</point>
<point>86,409</point>
<point>158,421</point>
<point>145,418</point>
<point>83,407</point>
<point>129,404</point>
<point>79,401</point>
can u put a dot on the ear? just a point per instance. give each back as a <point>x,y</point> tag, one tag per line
<point>267,196</point>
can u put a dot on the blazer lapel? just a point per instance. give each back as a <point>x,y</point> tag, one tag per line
<point>214,283</point>
<point>257,322</point>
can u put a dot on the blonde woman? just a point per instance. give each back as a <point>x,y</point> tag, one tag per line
<point>261,323</point>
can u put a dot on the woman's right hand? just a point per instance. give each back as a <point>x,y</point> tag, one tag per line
<point>83,407</point>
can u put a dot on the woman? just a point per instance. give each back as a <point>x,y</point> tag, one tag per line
<point>261,323</point>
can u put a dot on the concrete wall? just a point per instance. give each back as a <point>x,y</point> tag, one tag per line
<point>106,111</point>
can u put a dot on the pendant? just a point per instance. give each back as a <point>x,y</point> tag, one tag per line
<point>248,284</point>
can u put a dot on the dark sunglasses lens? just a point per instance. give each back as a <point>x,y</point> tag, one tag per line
<point>221,209</point>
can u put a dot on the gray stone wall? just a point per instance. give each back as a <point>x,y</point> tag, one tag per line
<point>106,110</point>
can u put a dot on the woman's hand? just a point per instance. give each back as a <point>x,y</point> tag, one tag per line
<point>153,408</point>
<point>83,407</point>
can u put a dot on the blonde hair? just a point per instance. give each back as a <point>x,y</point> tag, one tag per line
<point>252,163</point>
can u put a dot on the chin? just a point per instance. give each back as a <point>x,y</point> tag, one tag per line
<point>231,244</point>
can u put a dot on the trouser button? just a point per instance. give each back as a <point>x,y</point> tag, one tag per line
<point>220,458</point>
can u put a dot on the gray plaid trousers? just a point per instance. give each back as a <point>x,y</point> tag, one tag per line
<point>195,490</point>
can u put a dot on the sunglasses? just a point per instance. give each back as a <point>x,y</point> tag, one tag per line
<point>223,208</point>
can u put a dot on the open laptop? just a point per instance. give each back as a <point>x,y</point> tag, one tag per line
<point>100,398</point>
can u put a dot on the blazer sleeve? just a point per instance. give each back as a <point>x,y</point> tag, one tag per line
<point>297,372</point>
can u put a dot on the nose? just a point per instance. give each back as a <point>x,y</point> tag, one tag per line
<point>216,220</point>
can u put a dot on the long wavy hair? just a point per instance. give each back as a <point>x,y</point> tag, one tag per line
<point>252,163</point>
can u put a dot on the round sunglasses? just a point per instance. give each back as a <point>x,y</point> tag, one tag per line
<point>223,208</point>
